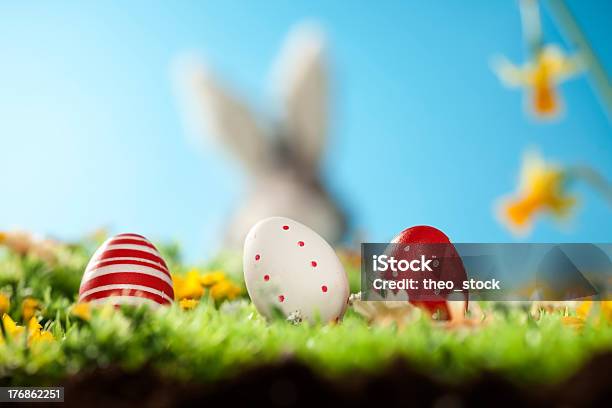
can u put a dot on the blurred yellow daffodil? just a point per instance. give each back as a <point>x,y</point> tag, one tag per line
<point>188,286</point>
<point>540,78</point>
<point>542,190</point>
<point>601,309</point>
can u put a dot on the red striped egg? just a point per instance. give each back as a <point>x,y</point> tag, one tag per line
<point>127,270</point>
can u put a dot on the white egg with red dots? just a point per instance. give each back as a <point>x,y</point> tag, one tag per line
<point>288,267</point>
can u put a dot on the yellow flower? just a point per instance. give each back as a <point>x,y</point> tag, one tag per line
<point>188,304</point>
<point>541,190</point>
<point>36,333</point>
<point>604,308</point>
<point>211,278</point>
<point>540,78</point>
<point>2,237</point>
<point>5,303</point>
<point>586,309</point>
<point>225,289</point>
<point>187,287</point>
<point>82,311</point>
<point>10,327</point>
<point>29,308</point>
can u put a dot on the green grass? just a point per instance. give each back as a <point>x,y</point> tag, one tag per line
<point>220,340</point>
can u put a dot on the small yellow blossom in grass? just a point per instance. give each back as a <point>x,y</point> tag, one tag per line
<point>211,278</point>
<point>29,308</point>
<point>225,289</point>
<point>2,237</point>
<point>540,78</point>
<point>188,304</point>
<point>5,303</point>
<point>11,328</point>
<point>541,190</point>
<point>188,286</point>
<point>82,311</point>
<point>601,308</point>
<point>36,333</point>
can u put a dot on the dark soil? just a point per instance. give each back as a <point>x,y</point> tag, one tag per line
<point>293,384</point>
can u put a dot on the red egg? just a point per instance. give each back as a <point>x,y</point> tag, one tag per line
<point>434,244</point>
<point>127,270</point>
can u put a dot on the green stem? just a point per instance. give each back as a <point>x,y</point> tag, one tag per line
<point>532,32</point>
<point>599,78</point>
<point>592,178</point>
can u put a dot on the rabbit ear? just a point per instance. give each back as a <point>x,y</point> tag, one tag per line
<point>223,116</point>
<point>301,77</point>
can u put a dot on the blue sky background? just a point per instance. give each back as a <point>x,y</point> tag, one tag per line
<point>91,135</point>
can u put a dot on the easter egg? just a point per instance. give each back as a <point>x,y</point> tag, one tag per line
<point>433,244</point>
<point>289,268</point>
<point>127,270</point>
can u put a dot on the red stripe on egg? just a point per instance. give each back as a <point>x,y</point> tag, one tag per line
<point>131,241</point>
<point>131,253</point>
<point>128,278</point>
<point>126,292</point>
<point>126,261</point>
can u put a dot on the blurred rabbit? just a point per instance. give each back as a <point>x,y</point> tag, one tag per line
<point>282,159</point>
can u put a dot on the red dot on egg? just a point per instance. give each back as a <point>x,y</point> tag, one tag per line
<point>281,298</point>
<point>301,243</point>
<point>266,277</point>
<point>285,227</point>
<point>314,264</point>
<point>324,288</point>
<point>257,257</point>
